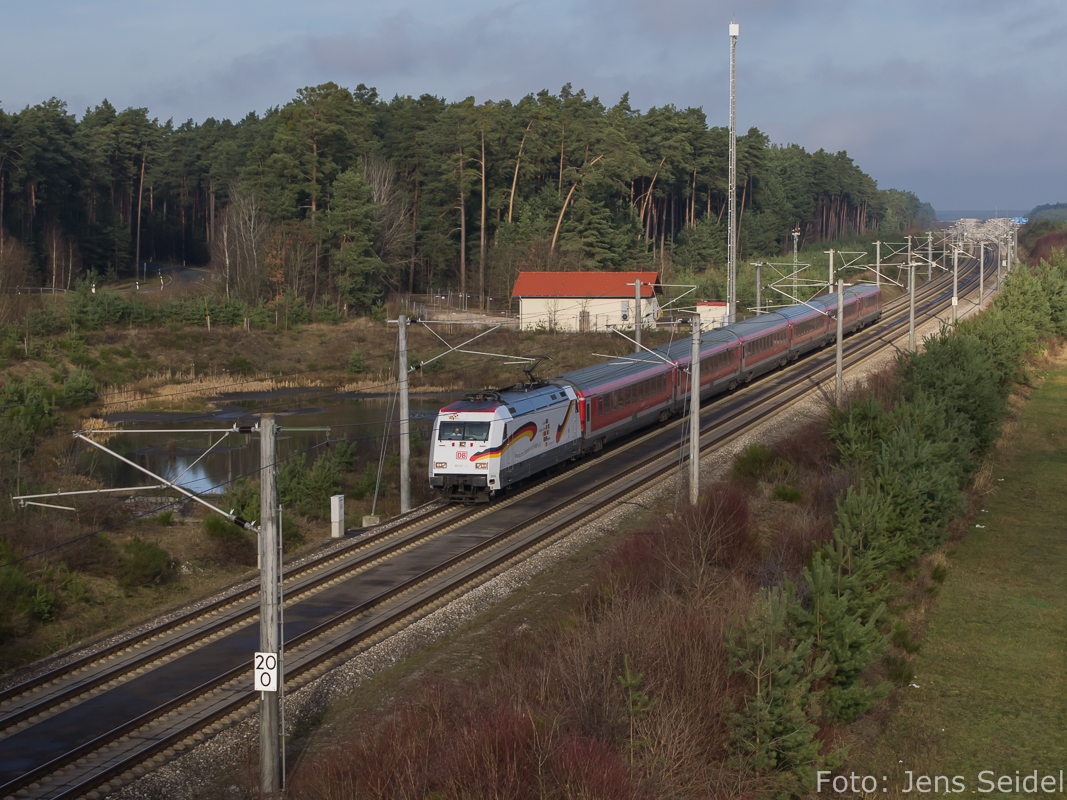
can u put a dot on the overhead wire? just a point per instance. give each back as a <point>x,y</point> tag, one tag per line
<point>158,509</point>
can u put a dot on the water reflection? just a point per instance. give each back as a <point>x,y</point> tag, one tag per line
<point>180,457</point>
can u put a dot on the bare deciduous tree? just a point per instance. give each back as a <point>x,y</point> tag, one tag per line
<point>62,257</point>
<point>14,272</point>
<point>393,214</point>
<point>242,248</point>
<point>298,249</point>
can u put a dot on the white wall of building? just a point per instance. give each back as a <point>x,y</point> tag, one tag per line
<point>564,313</point>
<point>712,315</point>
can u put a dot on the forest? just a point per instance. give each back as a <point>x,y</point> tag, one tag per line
<point>340,197</point>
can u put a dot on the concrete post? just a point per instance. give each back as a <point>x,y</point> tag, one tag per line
<point>839,383</point>
<point>981,274</point>
<point>955,280</point>
<point>1000,259</point>
<point>637,315</point>
<point>405,422</point>
<point>269,639</point>
<point>929,256</point>
<point>694,416</point>
<point>759,287</point>
<point>911,272</point>
<point>877,263</point>
<point>911,313</point>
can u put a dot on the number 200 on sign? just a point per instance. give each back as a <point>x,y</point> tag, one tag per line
<point>266,672</point>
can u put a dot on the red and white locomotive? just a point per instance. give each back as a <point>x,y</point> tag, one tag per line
<point>491,439</point>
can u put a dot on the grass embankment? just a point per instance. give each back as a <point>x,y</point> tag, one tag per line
<point>992,692</point>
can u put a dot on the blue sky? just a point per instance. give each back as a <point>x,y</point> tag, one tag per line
<point>960,101</point>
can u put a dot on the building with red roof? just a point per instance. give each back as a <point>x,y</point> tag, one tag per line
<point>585,301</point>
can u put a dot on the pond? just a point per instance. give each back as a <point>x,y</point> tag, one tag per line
<point>180,456</point>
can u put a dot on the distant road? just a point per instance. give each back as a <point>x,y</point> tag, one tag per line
<point>166,276</point>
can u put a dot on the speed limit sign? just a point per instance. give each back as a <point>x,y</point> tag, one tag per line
<point>266,671</point>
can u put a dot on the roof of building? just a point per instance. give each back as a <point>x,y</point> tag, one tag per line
<point>584,284</point>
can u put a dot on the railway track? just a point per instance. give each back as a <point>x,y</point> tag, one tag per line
<point>102,721</point>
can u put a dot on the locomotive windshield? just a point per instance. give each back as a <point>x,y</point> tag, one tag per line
<point>464,432</point>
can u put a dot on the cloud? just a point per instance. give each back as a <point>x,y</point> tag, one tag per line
<point>922,95</point>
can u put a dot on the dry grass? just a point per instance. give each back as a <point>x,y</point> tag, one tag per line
<point>386,385</point>
<point>176,390</point>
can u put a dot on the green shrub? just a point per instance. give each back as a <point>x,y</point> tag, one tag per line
<point>923,495</point>
<point>415,362</point>
<point>221,529</point>
<point>242,497</point>
<point>29,415</point>
<point>42,604</point>
<point>753,462</point>
<point>357,364</point>
<point>858,429</point>
<point>347,456</point>
<point>308,490</point>
<point>1024,299</point>
<point>292,536</point>
<point>79,389</point>
<point>955,371</point>
<point>902,640</point>
<point>143,563</point>
<point>898,669</point>
<point>787,493</point>
<point>363,483</point>
<point>76,590</point>
<point>17,591</point>
<point>845,632</point>
<point>232,544</point>
<point>326,313</point>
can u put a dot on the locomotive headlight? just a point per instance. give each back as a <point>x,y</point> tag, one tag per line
<point>439,464</point>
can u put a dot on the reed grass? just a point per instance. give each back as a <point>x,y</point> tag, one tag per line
<point>176,389</point>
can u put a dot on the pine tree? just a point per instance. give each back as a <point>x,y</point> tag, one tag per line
<point>775,727</point>
<point>356,268</point>
<point>843,627</point>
